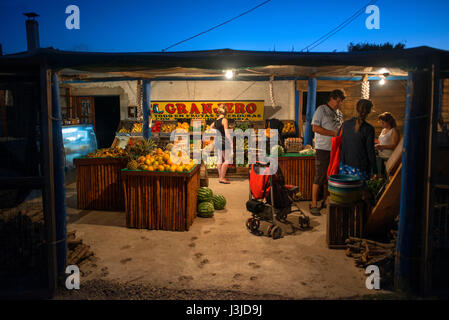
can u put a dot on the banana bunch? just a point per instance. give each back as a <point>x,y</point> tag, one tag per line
<point>137,128</point>
<point>123,130</point>
<point>168,127</point>
<point>108,153</point>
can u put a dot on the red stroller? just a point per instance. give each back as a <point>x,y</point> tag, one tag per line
<point>271,200</point>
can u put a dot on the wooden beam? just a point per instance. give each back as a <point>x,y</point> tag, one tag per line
<point>48,194</point>
<point>387,208</point>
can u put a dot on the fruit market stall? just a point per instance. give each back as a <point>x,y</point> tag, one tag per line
<point>299,170</point>
<point>98,180</point>
<point>161,200</point>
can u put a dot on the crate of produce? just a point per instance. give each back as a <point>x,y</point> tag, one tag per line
<point>293,145</point>
<point>289,129</point>
<point>168,126</point>
<point>124,127</point>
<point>344,221</point>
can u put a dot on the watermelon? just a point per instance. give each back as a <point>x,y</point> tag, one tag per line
<point>206,209</point>
<point>277,150</point>
<point>204,194</point>
<point>219,201</point>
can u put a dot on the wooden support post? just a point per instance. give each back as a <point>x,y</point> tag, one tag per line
<point>298,118</point>
<point>435,112</point>
<point>311,104</point>
<point>59,177</point>
<point>146,109</point>
<point>48,192</point>
<point>409,240</point>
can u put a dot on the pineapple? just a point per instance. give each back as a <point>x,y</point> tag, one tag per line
<point>141,148</point>
<point>132,165</point>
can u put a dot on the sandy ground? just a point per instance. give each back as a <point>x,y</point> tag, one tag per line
<point>216,256</point>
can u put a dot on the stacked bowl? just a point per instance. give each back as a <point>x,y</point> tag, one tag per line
<point>345,188</point>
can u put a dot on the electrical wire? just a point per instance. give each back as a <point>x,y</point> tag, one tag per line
<point>219,25</point>
<point>338,28</point>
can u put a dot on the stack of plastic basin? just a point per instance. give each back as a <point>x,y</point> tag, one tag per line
<point>345,188</point>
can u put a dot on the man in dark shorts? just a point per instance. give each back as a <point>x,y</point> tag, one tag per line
<point>326,122</point>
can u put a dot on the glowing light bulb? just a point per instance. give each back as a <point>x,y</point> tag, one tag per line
<point>229,74</point>
<point>382,81</point>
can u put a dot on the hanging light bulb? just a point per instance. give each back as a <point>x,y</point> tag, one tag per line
<point>382,80</point>
<point>229,74</point>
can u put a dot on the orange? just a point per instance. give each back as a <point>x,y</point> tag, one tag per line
<point>179,169</point>
<point>166,157</point>
<point>159,151</point>
<point>161,168</point>
<point>144,167</point>
<point>148,156</point>
<point>141,159</point>
<point>155,163</point>
<point>147,162</point>
<point>173,168</point>
<point>150,168</point>
<point>169,162</point>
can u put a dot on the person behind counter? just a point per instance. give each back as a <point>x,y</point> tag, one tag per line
<point>357,156</point>
<point>389,137</point>
<point>326,121</point>
<point>223,144</point>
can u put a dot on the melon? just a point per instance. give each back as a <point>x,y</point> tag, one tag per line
<point>204,194</point>
<point>219,201</point>
<point>206,209</point>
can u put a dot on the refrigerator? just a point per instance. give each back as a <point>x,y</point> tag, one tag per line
<point>79,140</point>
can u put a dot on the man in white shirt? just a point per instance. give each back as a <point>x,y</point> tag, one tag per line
<point>326,122</point>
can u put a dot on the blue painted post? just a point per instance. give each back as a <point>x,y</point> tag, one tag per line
<point>311,105</point>
<point>146,108</point>
<point>298,125</point>
<point>412,182</point>
<point>440,100</point>
<point>59,178</point>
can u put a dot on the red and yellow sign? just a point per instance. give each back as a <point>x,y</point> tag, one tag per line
<point>238,110</point>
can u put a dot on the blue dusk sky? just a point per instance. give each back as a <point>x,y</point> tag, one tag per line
<point>280,25</point>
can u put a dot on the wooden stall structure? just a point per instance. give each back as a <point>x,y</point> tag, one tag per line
<point>161,200</point>
<point>344,221</point>
<point>390,97</point>
<point>98,183</point>
<point>299,171</point>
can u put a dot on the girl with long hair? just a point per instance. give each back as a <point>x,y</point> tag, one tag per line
<point>223,144</point>
<point>357,155</point>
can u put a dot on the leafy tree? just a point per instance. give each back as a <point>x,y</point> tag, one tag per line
<point>365,46</point>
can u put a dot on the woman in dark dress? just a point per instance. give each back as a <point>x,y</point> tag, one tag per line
<point>223,144</point>
<point>357,155</point>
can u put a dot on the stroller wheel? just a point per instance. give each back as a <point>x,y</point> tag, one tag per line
<point>248,223</point>
<point>304,222</point>
<point>276,232</point>
<point>253,224</point>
